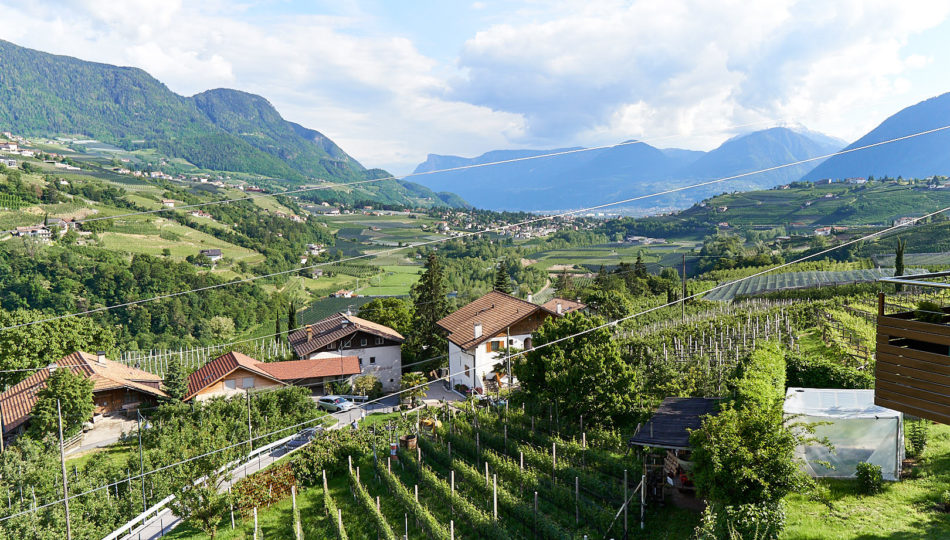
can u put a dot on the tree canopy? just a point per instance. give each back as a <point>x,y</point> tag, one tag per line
<point>74,392</point>
<point>584,375</point>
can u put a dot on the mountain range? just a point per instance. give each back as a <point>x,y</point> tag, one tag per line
<point>43,94</point>
<point>915,157</point>
<point>577,177</point>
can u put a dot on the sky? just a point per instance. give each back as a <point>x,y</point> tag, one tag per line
<point>391,82</point>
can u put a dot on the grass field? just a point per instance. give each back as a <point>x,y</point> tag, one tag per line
<point>394,281</point>
<point>610,255</point>
<point>181,241</point>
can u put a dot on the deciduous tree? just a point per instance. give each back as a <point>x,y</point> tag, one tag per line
<point>74,393</point>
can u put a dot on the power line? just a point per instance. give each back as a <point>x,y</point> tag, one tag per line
<point>474,233</point>
<point>448,376</point>
<point>332,185</point>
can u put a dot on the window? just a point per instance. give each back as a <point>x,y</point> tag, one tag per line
<point>329,346</point>
<point>247,382</point>
<point>494,346</point>
<point>372,359</point>
<point>361,361</point>
<point>467,369</point>
<point>128,398</point>
<point>363,342</point>
<point>230,384</point>
<point>379,341</point>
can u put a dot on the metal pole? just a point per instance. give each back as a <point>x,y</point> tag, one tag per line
<point>62,460</point>
<point>643,498</point>
<point>141,459</point>
<point>683,300</point>
<point>494,495</point>
<point>250,443</point>
<point>625,499</point>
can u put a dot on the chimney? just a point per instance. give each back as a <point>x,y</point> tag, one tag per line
<point>101,357</point>
<point>560,308</point>
<point>478,330</point>
<point>530,297</point>
<point>309,332</point>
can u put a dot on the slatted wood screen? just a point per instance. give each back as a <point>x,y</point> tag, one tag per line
<point>912,372</point>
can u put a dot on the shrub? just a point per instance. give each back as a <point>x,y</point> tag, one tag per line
<point>870,480</point>
<point>761,377</point>
<point>928,311</point>
<point>264,488</point>
<point>917,434</point>
<point>743,522</point>
<point>945,500</point>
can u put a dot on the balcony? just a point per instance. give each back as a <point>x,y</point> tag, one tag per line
<point>912,372</point>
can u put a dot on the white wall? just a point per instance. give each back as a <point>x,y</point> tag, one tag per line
<point>479,360</point>
<point>388,363</point>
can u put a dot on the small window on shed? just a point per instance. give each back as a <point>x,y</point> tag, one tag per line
<point>230,384</point>
<point>379,341</point>
<point>247,382</point>
<point>363,342</point>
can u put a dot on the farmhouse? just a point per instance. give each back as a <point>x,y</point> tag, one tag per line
<point>36,231</point>
<point>561,306</point>
<point>117,388</point>
<point>376,347</point>
<point>213,254</point>
<point>167,203</point>
<point>227,375</point>
<point>480,332</point>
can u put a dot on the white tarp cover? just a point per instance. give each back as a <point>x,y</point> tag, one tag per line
<point>857,429</point>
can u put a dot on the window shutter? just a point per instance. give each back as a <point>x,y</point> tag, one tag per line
<point>488,346</point>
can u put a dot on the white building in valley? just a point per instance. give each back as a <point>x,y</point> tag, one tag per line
<point>376,346</point>
<point>480,333</point>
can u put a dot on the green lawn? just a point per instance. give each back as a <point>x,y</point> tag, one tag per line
<point>394,281</point>
<point>118,454</point>
<point>905,509</point>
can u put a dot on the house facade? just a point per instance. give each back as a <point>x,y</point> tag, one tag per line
<point>229,375</point>
<point>377,348</point>
<point>481,333</point>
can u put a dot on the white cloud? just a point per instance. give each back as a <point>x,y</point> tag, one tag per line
<point>607,70</point>
<point>684,72</point>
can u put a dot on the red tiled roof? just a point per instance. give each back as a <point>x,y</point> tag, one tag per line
<point>567,306</point>
<point>17,402</point>
<point>221,367</point>
<point>495,311</point>
<point>334,328</point>
<point>308,369</point>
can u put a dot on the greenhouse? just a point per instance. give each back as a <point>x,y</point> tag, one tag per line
<point>857,429</point>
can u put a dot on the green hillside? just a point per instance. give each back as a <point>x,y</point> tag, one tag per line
<point>218,130</point>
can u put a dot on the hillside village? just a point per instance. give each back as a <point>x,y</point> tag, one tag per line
<point>217,323</point>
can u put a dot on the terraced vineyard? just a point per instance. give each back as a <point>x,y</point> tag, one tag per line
<point>483,474</point>
<point>799,280</point>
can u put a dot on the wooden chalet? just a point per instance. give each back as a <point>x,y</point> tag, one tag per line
<point>117,388</point>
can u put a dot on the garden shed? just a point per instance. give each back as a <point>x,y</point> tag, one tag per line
<point>858,430</point>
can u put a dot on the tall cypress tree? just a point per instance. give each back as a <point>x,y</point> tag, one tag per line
<point>899,261</point>
<point>431,305</point>
<point>277,326</point>
<point>291,317</point>
<point>502,281</point>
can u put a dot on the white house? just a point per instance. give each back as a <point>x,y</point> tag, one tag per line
<point>376,346</point>
<point>480,332</point>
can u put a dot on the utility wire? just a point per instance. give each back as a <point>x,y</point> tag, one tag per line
<point>332,185</point>
<point>450,375</point>
<point>475,233</point>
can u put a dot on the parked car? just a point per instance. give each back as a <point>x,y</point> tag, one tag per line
<point>334,403</point>
<point>304,437</point>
